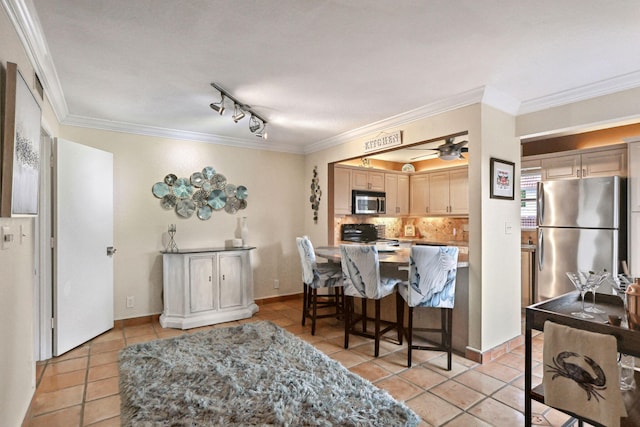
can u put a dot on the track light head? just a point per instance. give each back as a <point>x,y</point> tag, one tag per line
<point>238,114</point>
<point>263,132</point>
<point>254,124</point>
<point>218,106</point>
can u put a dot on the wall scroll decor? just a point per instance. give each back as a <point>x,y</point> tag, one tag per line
<point>202,193</point>
<point>316,194</point>
<point>20,146</point>
<point>502,175</point>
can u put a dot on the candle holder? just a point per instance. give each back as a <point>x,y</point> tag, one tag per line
<point>172,247</point>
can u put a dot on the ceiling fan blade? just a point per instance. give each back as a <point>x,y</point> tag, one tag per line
<point>464,150</point>
<point>460,144</point>
<point>426,156</point>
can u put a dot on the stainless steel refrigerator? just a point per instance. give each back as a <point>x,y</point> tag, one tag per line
<point>581,226</point>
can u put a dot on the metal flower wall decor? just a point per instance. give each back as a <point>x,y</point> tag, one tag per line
<point>202,193</point>
<point>316,194</point>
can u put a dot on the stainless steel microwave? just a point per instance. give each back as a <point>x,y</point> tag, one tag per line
<point>367,202</point>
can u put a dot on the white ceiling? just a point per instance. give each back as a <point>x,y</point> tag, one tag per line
<point>319,71</point>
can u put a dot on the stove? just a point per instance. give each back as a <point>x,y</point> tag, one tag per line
<point>364,233</point>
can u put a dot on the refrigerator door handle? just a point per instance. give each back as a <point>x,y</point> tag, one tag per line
<point>540,249</point>
<point>540,203</point>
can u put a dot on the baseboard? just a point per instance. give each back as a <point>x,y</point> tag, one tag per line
<point>279,298</point>
<point>494,353</point>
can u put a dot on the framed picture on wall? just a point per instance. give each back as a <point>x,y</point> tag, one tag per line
<point>20,146</point>
<point>502,176</point>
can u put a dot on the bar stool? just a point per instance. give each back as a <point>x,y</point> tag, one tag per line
<point>315,276</point>
<point>361,276</point>
<point>432,284</point>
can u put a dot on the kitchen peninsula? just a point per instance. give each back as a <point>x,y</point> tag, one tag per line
<point>391,261</point>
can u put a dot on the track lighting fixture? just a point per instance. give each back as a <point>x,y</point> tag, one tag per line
<point>254,124</point>
<point>257,125</point>
<point>218,106</point>
<point>238,114</point>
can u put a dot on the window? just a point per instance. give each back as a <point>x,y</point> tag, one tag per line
<point>529,179</point>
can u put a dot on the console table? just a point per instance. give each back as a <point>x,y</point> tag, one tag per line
<point>558,310</point>
<point>206,286</point>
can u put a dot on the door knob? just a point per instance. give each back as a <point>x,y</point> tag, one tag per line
<point>111,251</point>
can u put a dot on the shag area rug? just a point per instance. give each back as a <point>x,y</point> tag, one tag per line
<point>254,374</point>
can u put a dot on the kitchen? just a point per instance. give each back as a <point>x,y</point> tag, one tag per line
<point>402,222</point>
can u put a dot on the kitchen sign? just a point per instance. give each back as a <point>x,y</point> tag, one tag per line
<point>383,141</point>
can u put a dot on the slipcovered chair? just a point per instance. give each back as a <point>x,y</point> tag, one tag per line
<point>315,276</point>
<point>432,284</point>
<point>361,276</point>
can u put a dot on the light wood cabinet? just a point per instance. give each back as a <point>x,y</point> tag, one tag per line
<point>205,287</point>
<point>341,191</point>
<point>526,279</point>
<point>587,164</point>
<point>397,194</point>
<point>449,192</point>
<point>419,194</point>
<point>634,176</point>
<point>633,189</point>
<point>367,180</point>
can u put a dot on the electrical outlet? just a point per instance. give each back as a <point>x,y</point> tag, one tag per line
<point>131,301</point>
<point>276,284</point>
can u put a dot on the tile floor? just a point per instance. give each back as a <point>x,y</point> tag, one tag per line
<point>80,388</point>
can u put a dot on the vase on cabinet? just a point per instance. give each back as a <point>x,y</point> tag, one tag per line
<point>244,231</point>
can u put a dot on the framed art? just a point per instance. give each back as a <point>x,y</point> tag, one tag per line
<point>409,230</point>
<point>20,146</point>
<point>502,176</point>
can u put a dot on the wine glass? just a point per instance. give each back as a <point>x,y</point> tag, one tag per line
<point>581,285</point>
<point>594,280</point>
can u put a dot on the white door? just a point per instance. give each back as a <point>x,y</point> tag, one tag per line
<point>83,230</point>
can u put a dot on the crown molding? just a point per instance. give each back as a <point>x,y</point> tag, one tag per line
<point>131,128</point>
<point>582,93</point>
<point>463,99</point>
<point>27,25</point>
<point>500,100</point>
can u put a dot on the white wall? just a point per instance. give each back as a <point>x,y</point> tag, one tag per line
<point>277,195</point>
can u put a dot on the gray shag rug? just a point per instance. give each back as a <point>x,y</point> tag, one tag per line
<point>254,374</point>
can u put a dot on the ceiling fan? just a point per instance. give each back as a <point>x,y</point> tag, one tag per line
<point>447,151</point>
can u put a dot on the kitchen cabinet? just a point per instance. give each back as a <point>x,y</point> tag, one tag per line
<point>204,287</point>
<point>419,194</point>
<point>397,193</point>
<point>367,180</point>
<point>633,189</point>
<point>341,191</point>
<point>634,176</point>
<point>592,163</point>
<point>449,192</point>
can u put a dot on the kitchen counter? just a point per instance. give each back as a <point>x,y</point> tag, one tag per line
<point>420,241</point>
<point>528,248</point>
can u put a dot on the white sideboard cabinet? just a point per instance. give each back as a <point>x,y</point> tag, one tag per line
<point>206,286</point>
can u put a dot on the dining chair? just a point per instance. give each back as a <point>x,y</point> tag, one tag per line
<point>315,276</point>
<point>362,279</point>
<point>431,284</point>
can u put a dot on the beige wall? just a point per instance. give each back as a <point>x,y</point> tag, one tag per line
<point>275,211</point>
<point>483,144</point>
<point>17,361</point>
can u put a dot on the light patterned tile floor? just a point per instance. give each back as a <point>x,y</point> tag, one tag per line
<point>80,388</point>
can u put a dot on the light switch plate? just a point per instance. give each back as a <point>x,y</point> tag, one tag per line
<point>6,237</point>
<point>508,228</point>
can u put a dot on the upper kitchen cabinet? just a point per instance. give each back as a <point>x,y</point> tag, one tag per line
<point>341,190</point>
<point>397,193</point>
<point>367,180</point>
<point>634,176</point>
<point>419,194</point>
<point>449,192</point>
<point>633,188</point>
<point>588,163</point>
